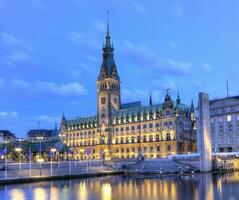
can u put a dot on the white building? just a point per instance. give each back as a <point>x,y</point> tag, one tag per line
<point>224,117</point>
<point>6,136</point>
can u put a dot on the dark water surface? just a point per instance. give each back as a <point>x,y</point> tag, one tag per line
<point>191,187</point>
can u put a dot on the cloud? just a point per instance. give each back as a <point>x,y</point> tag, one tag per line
<point>99,26</point>
<point>2,81</point>
<point>173,45</point>
<point>206,67</point>
<point>139,7</point>
<point>80,39</point>
<point>12,40</point>
<point>133,95</point>
<point>177,9</point>
<point>146,55</point>
<point>15,50</point>
<point>73,88</point>
<point>11,114</point>
<point>77,37</point>
<point>36,88</point>
<point>18,56</point>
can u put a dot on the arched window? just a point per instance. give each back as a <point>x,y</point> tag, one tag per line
<point>168,136</point>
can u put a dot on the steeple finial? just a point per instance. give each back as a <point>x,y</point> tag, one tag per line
<point>108,24</point>
<point>192,106</point>
<point>150,100</point>
<point>107,42</point>
<point>178,100</point>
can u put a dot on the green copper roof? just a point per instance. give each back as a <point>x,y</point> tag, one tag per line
<point>127,110</point>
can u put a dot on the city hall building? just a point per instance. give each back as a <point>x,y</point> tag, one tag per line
<point>131,130</point>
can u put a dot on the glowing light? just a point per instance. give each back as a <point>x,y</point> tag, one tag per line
<point>40,194</point>
<point>82,192</point>
<point>17,194</point>
<point>18,149</point>
<point>40,160</point>
<point>106,191</point>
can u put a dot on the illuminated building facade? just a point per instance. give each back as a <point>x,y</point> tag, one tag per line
<point>224,117</point>
<point>123,130</point>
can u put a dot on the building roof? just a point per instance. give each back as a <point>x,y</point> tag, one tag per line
<point>224,99</point>
<point>42,132</point>
<point>127,110</point>
<point>7,133</point>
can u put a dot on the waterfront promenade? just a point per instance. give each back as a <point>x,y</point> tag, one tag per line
<point>17,172</point>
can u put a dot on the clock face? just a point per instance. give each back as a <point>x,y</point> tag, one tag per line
<point>115,103</point>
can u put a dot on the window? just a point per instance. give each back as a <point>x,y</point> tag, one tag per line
<point>122,150</point>
<point>168,147</point>
<point>150,138</point>
<point>158,148</point>
<point>127,140</point>
<point>103,100</point>
<point>116,129</point>
<point>122,129</point>
<point>157,137</point>
<point>168,136</point>
<point>157,125</point>
<point>132,127</point>
<point>145,149</point>
<point>229,118</point>
<point>144,126</point>
<point>138,139</point>
<point>144,138</point>
<point>150,125</point>
<point>127,128</point>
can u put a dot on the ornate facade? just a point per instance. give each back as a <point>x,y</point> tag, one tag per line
<point>129,130</point>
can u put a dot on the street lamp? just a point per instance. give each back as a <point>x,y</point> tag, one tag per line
<point>40,160</point>
<point>69,160</point>
<point>19,150</point>
<point>53,150</point>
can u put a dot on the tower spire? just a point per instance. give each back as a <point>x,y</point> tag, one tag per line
<point>107,43</point>
<point>108,24</point>
<point>178,100</point>
<point>150,100</point>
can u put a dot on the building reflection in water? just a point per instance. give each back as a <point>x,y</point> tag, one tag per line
<point>82,191</point>
<point>206,187</point>
<point>17,194</point>
<point>106,191</point>
<point>197,187</point>
<point>40,193</point>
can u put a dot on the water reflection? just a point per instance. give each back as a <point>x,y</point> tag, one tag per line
<point>197,187</point>
<point>17,194</point>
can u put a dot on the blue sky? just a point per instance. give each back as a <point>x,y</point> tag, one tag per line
<point>51,50</point>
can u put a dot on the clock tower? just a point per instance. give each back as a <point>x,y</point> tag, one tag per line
<point>108,85</point>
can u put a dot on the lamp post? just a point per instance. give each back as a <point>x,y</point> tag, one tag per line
<point>53,150</point>
<point>69,160</point>
<point>40,160</point>
<point>19,150</point>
